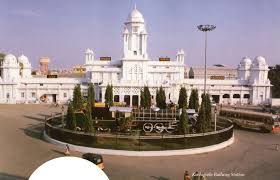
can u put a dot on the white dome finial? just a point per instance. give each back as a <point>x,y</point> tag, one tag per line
<point>135,5</point>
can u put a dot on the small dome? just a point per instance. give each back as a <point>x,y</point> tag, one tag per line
<point>10,59</point>
<point>259,60</point>
<point>246,61</point>
<point>23,59</point>
<point>135,16</point>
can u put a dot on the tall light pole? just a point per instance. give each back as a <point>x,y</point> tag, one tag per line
<point>205,28</point>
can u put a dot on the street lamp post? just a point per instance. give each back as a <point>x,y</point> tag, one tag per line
<point>215,118</point>
<point>205,28</point>
<point>62,117</point>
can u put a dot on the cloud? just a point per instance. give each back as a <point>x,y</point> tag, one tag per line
<point>25,12</point>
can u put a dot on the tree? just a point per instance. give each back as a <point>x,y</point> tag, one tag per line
<point>208,110</point>
<point>88,124</point>
<point>91,95</point>
<point>145,98</point>
<point>77,98</point>
<point>183,101</point>
<point>201,120</point>
<point>274,77</point>
<point>191,73</point>
<point>204,115</point>
<point>71,122</point>
<point>109,95</point>
<point>194,101</point>
<point>142,98</point>
<point>161,98</point>
<point>184,119</point>
<point>2,56</point>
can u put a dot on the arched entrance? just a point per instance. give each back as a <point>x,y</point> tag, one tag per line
<point>127,100</point>
<point>135,100</point>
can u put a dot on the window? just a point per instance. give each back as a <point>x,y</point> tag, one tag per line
<point>232,86</point>
<point>135,52</point>
<point>65,95</point>
<point>41,84</point>
<point>246,96</point>
<point>116,98</point>
<point>236,96</point>
<point>33,94</point>
<point>226,96</point>
<point>212,85</point>
<point>134,29</point>
<point>22,94</point>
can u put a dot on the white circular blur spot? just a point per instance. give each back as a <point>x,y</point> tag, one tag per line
<point>68,168</point>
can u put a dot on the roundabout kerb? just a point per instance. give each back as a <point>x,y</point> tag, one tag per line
<point>135,144</point>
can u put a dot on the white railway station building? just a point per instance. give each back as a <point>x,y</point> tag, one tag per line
<point>130,74</point>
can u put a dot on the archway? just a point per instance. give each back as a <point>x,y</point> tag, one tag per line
<point>127,100</point>
<point>135,100</point>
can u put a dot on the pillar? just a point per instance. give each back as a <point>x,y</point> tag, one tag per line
<point>103,95</point>
<point>139,99</point>
<point>130,100</point>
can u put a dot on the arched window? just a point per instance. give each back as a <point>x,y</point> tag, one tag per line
<point>226,96</point>
<point>246,96</point>
<point>236,96</point>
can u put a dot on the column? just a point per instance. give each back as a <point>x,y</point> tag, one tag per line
<point>221,99</point>
<point>241,97</point>
<point>130,99</point>
<point>231,98</point>
<point>139,100</point>
<point>121,98</point>
<point>103,95</point>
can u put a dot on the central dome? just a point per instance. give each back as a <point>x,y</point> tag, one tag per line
<point>135,16</point>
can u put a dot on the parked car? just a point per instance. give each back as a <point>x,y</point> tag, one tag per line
<point>95,159</point>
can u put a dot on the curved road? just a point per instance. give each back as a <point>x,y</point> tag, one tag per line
<point>22,150</point>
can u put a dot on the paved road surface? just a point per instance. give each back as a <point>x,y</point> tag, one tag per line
<point>22,150</point>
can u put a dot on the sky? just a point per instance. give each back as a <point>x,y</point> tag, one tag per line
<point>63,29</point>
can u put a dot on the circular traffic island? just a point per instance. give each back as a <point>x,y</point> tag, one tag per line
<point>142,138</point>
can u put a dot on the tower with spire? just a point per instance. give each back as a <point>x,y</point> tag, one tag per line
<point>135,36</point>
